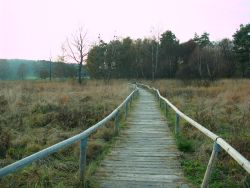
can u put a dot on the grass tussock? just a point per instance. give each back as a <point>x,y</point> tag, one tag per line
<point>35,115</point>
<point>223,107</point>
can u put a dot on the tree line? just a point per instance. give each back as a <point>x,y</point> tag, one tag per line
<point>166,57</point>
<point>29,69</point>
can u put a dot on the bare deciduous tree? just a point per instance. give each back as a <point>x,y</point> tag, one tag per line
<point>77,51</point>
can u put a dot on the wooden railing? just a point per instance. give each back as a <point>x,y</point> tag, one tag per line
<point>218,142</point>
<point>82,138</point>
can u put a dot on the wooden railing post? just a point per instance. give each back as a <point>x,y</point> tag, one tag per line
<point>117,123</point>
<point>82,165</point>
<point>130,103</point>
<point>126,109</point>
<point>166,108</point>
<point>177,122</point>
<point>212,160</point>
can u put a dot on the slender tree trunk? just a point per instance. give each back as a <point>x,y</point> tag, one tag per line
<point>80,73</point>
<point>208,71</point>
<point>200,67</point>
<point>109,75</point>
<point>170,68</point>
<point>142,72</point>
<point>153,76</point>
<point>156,58</point>
<point>50,70</point>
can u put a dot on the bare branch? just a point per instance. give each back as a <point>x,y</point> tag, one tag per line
<point>77,49</point>
<point>72,55</point>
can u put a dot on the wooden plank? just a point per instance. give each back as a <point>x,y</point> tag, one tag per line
<point>135,184</point>
<point>141,164</point>
<point>146,171</point>
<point>145,177</point>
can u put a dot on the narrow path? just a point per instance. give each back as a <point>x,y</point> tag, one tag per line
<point>145,154</point>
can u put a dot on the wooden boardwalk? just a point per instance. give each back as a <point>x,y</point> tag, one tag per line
<point>145,154</point>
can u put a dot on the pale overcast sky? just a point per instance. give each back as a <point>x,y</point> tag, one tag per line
<point>34,29</point>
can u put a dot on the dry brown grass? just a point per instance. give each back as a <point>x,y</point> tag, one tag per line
<point>224,108</point>
<point>35,115</point>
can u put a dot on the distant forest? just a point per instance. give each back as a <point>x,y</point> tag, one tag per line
<point>166,57</point>
<point>149,58</point>
<point>17,69</point>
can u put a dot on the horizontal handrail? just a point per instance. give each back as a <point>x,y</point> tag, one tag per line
<point>227,147</point>
<point>63,144</point>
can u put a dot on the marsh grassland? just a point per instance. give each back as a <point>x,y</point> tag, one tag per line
<point>224,108</point>
<point>36,114</point>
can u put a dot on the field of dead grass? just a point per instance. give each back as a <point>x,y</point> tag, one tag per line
<point>224,108</point>
<point>35,115</point>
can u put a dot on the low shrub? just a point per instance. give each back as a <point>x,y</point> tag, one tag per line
<point>194,170</point>
<point>94,149</point>
<point>4,142</point>
<point>3,104</point>
<point>184,144</point>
